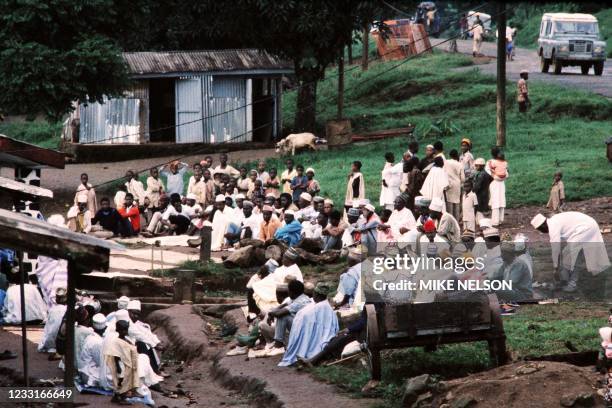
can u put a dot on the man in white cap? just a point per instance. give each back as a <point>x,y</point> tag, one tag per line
<point>580,233</point>
<point>349,280</point>
<point>122,303</point>
<point>54,319</point>
<point>144,339</point>
<point>518,269</point>
<point>79,217</point>
<point>349,235</point>
<point>191,201</point>
<point>366,232</point>
<point>522,92</point>
<point>306,211</point>
<point>92,357</point>
<point>446,225</point>
<point>238,215</point>
<point>220,222</point>
<point>264,290</point>
<point>291,232</point>
<point>269,224</point>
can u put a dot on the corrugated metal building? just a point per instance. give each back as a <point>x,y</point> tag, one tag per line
<point>189,97</point>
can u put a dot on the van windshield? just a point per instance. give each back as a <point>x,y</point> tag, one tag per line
<point>565,27</point>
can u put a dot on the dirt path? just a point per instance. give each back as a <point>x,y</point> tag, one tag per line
<point>528,59</point>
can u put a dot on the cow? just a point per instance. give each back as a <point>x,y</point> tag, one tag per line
<point>297,141</point>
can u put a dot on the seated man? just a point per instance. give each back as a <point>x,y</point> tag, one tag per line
<point>264,290</point>
<point>446,225</point>
<point>333,231</point>
<point>121,360</point>
<point>130,215</point>
<point>283,317</point>
<point>349,280</point>
<point>291,231</point>
<point>54,321</point>
<point>79,217</point>
<point>313,326</point>
<point>142,335</point>
<point>518,269</point>
<point>36,308</point>
<point>122,304</point>
<point>306,211</point>
<point>350,235</point>
<point>269,225</point>
<point>107,221</point>
<point>155,226</point>
<point>91,357</point>
<point>248,227</point>
<point>177,216</point>
<point>315,228</point>
<point>400,222</point>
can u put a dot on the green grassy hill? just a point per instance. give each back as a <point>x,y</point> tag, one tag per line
<point>564,129</point>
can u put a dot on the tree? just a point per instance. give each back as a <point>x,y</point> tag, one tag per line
<point>57,51</point>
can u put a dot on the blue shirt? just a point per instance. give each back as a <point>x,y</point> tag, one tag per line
<point>297,180</point>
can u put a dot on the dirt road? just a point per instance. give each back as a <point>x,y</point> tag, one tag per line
<point>528,59</point>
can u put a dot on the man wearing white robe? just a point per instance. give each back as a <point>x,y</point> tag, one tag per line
<point>391,180</point>
<point>141,332</point>
<point>220,222</point>
<point>436,182</point>
<point>579,232</point>
<point>401,221</point>
<point>456,177</point>
<point>53,323</point>
<point>264,291</point>
<point>92,357</point>
<point>36,308</point>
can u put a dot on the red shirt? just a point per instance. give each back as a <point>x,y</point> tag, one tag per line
<point>133,214</point>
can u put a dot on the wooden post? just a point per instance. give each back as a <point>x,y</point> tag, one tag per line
<point>341,87</point>
<point>24,330</point>
<point>365,43</point>
<point>70,315</point>
<point>206,241</point>
<point>501,74</point>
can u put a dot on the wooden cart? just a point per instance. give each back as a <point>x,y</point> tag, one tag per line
<point>432,324</point>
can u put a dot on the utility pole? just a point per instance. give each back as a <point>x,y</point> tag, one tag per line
<point>341,86</point>
<point>365,42</point>
<point>501,74</point>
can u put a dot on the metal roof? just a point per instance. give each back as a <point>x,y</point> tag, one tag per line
<point>180,62</point>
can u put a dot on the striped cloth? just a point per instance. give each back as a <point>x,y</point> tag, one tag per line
<point>52,274</point>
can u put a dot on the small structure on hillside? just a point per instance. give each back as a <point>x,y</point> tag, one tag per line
<point>188,97</point>
<point>403,39</point>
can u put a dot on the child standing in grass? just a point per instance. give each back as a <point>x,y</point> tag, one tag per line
<point>468,207</point>
<point>557,194</point>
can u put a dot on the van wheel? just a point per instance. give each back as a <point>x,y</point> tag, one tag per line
<point>598,67</point>
<point>585,69</point>
<point>556,65</point>
<point>544,64</point>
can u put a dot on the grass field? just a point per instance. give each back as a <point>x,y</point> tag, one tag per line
<point>37,132</point>
<point>564,129</point>
<point>534,331</point>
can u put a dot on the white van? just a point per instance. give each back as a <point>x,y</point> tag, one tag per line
<point>571,40</point>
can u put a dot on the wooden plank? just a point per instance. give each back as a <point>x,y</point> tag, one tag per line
<point>23,233</point>
<point>21,189</point>
<point>15,152</point>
